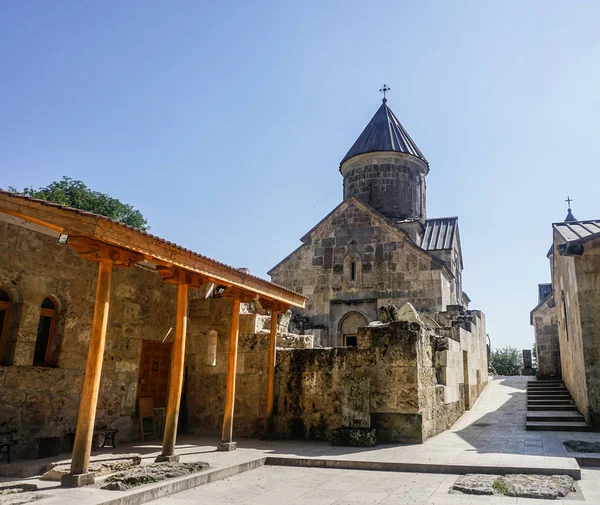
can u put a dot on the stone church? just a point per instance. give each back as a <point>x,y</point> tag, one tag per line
<point>377,247</point>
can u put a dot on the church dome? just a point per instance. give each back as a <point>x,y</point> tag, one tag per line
<point>384,133</point>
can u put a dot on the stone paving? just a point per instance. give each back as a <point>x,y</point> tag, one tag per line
<point>269,485</point>
<point>491,434</point>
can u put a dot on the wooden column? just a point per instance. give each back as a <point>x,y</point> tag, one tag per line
<point>271,373</point>
<point>176,384</point>
<point>227,443</point>
<point>91,382</point>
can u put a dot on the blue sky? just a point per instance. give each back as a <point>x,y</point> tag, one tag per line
<point>225,122</point>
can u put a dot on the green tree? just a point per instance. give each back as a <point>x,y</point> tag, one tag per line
<point>507,361</point>
<point>76,194</point>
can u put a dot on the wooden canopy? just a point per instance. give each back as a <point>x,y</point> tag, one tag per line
<point>112,244</point>
<point>152,250</point>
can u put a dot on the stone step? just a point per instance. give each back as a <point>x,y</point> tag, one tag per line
<point>549,391</point>
<point>561,408</point>
<point>555,416</point>
<point>556,426</point>
<point>558,392</point>
<point>545,386</point>
<point>544,383</point>
<point>551,398</point>
<point>549,401</point>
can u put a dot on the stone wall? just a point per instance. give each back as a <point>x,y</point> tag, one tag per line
<point>392,183</point>
<point>43,401</point>
<point>588,287</point>
<point>400,364</point>
<point>577,295</point>
<point>572,350</point>
<point>545,327</point>
<point>390,269</point>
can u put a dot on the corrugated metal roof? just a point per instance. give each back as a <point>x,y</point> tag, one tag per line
<point>439,234</point>
<point>579,231</point>
<point>384,133</point>
<point>72,210</point>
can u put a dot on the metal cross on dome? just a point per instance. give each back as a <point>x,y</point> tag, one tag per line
<point>384,90</point>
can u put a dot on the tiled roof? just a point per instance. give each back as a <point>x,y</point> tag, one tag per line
<point>384,133</point>
<point>579,231</point>
<point>439,234</point>
<point>69,210</point>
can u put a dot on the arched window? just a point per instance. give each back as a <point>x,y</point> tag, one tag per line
<point>5,310</point>
<point>349,326</point>
<point>352,270</point>
<point>45,333</point>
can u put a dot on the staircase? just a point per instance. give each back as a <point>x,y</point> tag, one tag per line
<point>550,407</point>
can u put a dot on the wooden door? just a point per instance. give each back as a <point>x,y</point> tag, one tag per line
<point>155,364</point>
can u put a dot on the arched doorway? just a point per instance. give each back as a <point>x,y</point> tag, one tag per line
<point>349,326</point>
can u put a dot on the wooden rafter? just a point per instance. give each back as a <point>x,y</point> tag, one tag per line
<point>179,276</point>
<point>93,250</point>
<point>76,223</point>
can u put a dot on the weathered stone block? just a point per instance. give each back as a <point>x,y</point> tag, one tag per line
<point>354,437</point>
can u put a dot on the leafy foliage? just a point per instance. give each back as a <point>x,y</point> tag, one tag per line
<point>507,361</point>
<point>76,194</point>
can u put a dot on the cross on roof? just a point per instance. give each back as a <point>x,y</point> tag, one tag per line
<point>568,200</point>
<point>384,90</point>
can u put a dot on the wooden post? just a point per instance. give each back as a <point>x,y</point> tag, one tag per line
<point>91,383</point>
<point>227,443</point>
<point>271,373</point>
<point>175,387</point>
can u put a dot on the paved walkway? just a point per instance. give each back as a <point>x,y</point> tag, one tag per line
<point>310,486</point>
<point>492,434</point>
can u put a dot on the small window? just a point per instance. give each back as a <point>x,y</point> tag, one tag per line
<point>350,340</point>
<point>353,271</point>
<point>5,310</point>
<point>45,333</point>
<point>565,317</point>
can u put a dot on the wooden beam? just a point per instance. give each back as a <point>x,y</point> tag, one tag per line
<point>94,250</point>
<point>91,381</point>
<point>178,276</point>
<point>37,221</point>
<point>176,385</point>
<point>238,294</point>
<point>74,222</point>
<point>271,373</point>
<point>227,443</point>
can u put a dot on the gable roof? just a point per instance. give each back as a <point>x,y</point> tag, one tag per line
<point>61,219</point>
<point>578,231</point>
<point>440,233</point>
<point>576,234</point>
<point>307,240</point>
<point>384,133</point>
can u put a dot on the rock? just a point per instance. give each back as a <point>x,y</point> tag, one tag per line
<point>582,446</point>
<point>518,485</point>
<point>18,494</point>
<point>102,464</point>
<point>408,313</point>
<point>148,474</point>
<point>475,484</point>
<point>539,486</point>
<point>354,437</point>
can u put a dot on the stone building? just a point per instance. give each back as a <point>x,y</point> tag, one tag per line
<point>377,247</point>
<point>544,320</point>
<point>406,380</point>
<point>576,285</point>
<point>84,297</point>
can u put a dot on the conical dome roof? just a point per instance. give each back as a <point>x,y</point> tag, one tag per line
<point>384,133</point>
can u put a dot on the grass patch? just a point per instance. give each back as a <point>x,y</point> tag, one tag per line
<point>500,485</point>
